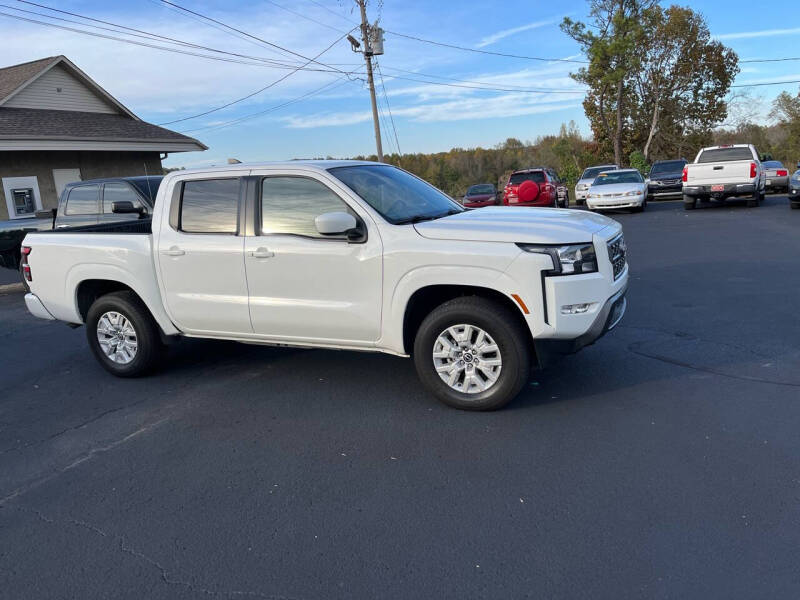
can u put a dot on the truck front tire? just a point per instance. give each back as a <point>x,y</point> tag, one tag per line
<point>472,353</point>
<point>123,335</point>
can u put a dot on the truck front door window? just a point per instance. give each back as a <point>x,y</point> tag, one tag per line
<point>289,205</point>
<point>116,192</point>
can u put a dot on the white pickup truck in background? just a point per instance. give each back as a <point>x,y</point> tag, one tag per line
<point>722,172</point>
<point>340,254</point>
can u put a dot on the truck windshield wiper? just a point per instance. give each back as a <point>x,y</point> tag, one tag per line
<point>421,218</point>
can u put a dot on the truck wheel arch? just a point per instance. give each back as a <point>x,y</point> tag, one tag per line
<point>90,290</point>
<point>425,299</point>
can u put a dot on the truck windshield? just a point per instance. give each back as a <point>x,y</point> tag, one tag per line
<point>398,196</point>
<point>724,155</point>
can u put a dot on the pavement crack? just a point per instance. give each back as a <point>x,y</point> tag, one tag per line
<point>81,459</point>
<point>678,363</point>
<point>73,428</point>
<point>164,573</point>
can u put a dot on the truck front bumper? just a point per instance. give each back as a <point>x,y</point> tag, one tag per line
<point>36,308</point>
<point>608,317</point>
<point>729,190</point>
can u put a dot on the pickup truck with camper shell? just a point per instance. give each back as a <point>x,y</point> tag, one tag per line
<point>95,204</point>
<point>345,255</point>
<point>723,172</point>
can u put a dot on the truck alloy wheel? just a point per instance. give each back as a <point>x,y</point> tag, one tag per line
<point>467,358</point>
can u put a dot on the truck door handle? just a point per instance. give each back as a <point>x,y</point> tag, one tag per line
<point>719,168</point>
<point>262,253</point>
<point>173,251</point>
<point>61,226</point>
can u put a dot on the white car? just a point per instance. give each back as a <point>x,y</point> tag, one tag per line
<point>340,254</point>
<point>587,179</point>
<point>622,188</point>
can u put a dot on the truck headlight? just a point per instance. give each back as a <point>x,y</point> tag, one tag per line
<point>574,259</point>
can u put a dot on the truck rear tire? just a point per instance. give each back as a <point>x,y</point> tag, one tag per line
<point>795,205</point>
<point>753,202</point>
<point>689,203</point>
<point>472,354</point>
<point>123,335</point>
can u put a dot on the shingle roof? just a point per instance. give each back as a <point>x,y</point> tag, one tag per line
<point>38,124</point>
<point>13,77</point>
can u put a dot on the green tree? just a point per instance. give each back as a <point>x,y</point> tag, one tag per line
<point>681,80</point>
<point>610,44</point>
<point>786,112</point>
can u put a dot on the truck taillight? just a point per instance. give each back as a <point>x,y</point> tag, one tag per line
<point>752,170</point>
<point>782,173</point>
<point>685,176</point>
<point>26,268</point>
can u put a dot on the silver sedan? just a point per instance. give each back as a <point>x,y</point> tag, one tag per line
<point>623,188</point>
<point>777,176</point>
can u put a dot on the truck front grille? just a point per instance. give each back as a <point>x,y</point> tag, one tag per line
<point>617,254</point>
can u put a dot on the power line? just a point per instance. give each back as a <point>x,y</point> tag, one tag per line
<point>138,32</point>
<point>271,108</point>
<point>490,89</point>
<point>135,43</point>
<point>145,34</point>
<point>266,87</point>
<point>764,83</point>
<point>302,16</point>
<point>271,44</point>
<point>389,108</point>
<point>485,83</point>
<point>466,49</point>
<point>766,60</point>
<point>333,12</point>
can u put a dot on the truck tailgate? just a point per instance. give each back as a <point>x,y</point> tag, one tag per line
<point>737,171</point>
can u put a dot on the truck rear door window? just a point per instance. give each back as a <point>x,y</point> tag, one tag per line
<point>83,200</point>
<point>725,155</point>
<point>210,206</point>
<point>289,205</point>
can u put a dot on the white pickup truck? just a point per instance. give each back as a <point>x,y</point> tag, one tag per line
<point>722,172</point>
<point>340,254</point>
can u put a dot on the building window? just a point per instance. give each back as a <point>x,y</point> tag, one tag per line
<point>22,196</point>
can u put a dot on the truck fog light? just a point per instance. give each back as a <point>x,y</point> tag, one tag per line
<point>577,309</point>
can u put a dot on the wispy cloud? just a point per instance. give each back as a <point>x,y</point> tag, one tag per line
<point>757,34</point>
<point>496,37</point>
<point>503,106</point>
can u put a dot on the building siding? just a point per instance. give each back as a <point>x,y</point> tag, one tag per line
<point>74,95</point>
<point>93,165</point>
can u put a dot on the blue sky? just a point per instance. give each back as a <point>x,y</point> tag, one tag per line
<point>161,86</point>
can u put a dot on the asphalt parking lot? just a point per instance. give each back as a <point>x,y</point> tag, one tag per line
<point>662,462</point>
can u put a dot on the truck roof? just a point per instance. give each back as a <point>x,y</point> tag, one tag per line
<point>321,165</point>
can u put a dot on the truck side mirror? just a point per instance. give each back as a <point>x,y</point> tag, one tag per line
<point>335,223</point>
<point>126,207</point>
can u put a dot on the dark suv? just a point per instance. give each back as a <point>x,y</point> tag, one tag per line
<point>535,187</point>
<point>91,204</point>
<point>665,179</point>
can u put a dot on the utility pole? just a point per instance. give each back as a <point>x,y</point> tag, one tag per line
<point>368,36</point>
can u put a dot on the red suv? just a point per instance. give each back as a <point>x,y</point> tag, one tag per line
<point>535,187</point>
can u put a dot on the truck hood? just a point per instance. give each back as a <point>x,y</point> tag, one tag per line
<point>516,224</point>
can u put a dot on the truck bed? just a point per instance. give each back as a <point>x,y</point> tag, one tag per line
<point>737,171</point>
<point>61,261</point>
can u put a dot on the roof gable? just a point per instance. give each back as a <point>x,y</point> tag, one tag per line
<point>40,83</point>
